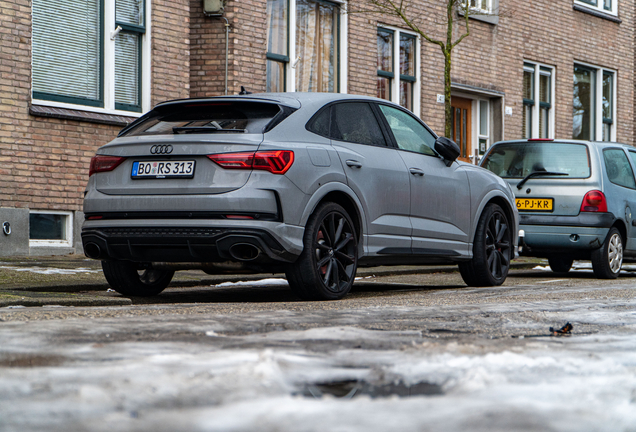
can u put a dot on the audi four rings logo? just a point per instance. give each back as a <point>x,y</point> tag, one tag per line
<point>161,149</point>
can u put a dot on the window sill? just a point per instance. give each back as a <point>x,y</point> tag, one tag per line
<point>597,13</point>
<point>490,19</point>
<point>79,115</point>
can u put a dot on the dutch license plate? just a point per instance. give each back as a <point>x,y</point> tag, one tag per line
<point>163,169</point>
<point>535,204</point>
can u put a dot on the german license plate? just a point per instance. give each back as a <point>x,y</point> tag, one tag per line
<point>163,169</point>
<point>535,204</point>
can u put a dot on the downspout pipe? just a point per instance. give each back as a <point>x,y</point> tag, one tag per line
<point>227,39</point>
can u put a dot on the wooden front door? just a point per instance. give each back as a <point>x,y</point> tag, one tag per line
<point>462,114</point>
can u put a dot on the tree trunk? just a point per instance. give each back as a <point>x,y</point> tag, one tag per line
<point>448,110</point>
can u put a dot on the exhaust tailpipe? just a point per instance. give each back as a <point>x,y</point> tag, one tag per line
<point>244,252</point>
<point>92,250</point>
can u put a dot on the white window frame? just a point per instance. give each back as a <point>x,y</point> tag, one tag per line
<point>481,6</point>
<point>109,69</point>
<point>480,136</point>
<point>290,67</point>
<point>599,6</point>
<point>536,109</point>
<point>395,82</point>
<point>68,242</point>
<point>598,100</point>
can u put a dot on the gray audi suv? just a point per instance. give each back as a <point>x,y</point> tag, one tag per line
<point>313,185</point>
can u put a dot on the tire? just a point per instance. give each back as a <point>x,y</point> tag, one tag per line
<point>131,279</point>
<point>608,259</point>
<point>560,264</point>
<point>492,250</point>
<point>327,265</point>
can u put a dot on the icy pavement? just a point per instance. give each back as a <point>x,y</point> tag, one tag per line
<point>49,270</point>
<point>370,369</point>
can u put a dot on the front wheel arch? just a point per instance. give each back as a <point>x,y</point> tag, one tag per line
<point>495,197</point>
<point>493,249</point>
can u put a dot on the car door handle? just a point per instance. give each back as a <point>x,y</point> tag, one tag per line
<point>416,171</point>
<point>353,163</point>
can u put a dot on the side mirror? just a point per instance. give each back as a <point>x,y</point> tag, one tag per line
<point>448,149</point>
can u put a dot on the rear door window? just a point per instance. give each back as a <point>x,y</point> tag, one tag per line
<point>205,117</point>
<point>355,122</point>
<point>517,160</point>
<point>619,171</point>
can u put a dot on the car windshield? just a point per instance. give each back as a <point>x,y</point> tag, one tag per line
<point>205,117</point>
<point>517,160</point>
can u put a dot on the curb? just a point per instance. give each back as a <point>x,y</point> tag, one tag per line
<point>13,299</point>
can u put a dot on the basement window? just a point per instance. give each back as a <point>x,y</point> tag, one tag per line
<point>53,229</point>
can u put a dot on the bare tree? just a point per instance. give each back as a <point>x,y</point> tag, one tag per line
<point>404,11</point>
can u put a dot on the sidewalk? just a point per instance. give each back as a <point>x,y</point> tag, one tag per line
<point>74,280</point>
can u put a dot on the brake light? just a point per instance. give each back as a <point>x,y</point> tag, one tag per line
<point>101,163</point>
<point>594,201</point>
<point>275,161</point>
<point>541,139</point>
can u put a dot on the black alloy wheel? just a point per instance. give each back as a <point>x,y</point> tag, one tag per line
<point>327,266</point>
<point>492,250</point>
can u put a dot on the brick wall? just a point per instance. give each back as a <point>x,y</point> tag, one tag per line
<point>170,49</point>
<point>492,57</point>
<point>207,52</point>
<point>44,161</point>
<point>551,33</point>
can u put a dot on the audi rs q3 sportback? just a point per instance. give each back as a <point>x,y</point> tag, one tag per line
<point>575,200</point>
<point>309,184</point>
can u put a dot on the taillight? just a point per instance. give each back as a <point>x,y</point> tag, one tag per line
<point>101,163</point>
<point>275,161</point>
<point>594,201</point>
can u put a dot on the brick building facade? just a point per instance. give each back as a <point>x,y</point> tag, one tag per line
<point>513,77</point>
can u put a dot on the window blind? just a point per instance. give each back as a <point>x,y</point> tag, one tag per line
<point>130,12</point>
<point>67,50</point>
<point>127,70</point>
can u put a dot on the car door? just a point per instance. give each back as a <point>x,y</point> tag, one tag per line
<point>440,195</point>
<point>376,173</point>
<point>630,208</point>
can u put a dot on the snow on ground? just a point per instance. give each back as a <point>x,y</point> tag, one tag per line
<point>257,283</point>
<point>259,381</point>
<point>50,270</point>
<point>586,266</point>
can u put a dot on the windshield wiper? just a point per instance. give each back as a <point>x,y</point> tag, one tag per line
<point>204,129</point>
<point>539,174</point>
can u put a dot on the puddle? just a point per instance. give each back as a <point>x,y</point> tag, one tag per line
<point>351,389</point>
<point>30,360</point>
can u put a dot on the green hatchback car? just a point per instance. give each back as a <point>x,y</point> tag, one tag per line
<point>575,200</point>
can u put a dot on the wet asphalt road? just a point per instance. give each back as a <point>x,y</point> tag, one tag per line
<point>154,365</point>
<point>434,290</point>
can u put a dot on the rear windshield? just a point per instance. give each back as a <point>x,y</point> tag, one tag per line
<point>517,160</point>
<point>207,117</point>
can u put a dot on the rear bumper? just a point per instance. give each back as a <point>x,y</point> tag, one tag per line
<point>587,220</point>
<point>192,241</point>
<point>545,234</point>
